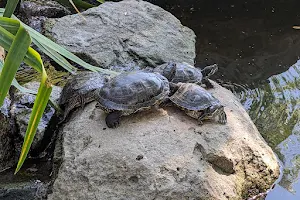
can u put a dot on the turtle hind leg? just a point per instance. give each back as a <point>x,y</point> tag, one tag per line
<point>204,115</point>
<point>113,119</point>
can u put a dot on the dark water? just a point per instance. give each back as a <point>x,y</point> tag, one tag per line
<point>258,53</point>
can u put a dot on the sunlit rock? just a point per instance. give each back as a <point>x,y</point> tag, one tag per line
<point>164,154</point>
<point>123,33</point>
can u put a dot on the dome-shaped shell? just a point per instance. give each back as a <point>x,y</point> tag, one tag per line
<point>132,91</point>
<point>193,97</point>
<point>179,72</point>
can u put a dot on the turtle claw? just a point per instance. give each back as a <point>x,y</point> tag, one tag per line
<point>222,117</point>
<point>113,119</point>
<point>200,122</point>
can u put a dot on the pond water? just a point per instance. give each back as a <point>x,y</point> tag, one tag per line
<point>258,52</point>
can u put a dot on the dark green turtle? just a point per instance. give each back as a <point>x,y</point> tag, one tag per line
<point>131,92</point>
<point>79,90</point>
<point>198,102</point>
<point>185,73</point>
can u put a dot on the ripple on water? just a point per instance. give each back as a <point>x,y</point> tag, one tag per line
<point>275,109</point>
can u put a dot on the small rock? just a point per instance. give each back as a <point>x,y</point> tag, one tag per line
<point>22,107</point>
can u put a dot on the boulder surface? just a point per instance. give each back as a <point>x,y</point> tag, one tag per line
<point>164,154</point>
<point>124,33</point>
<point>6,136</point>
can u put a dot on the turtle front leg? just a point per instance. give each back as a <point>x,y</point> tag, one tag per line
<point>222,117</point>
<point>207,83</point>
<point>113,119</point>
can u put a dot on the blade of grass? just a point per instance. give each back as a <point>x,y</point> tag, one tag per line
<point>10,8</point>
<point>39,106</point>
<point>47,42</point>
<point>15,56</point>
<point>17,85</point>
<point>60,50</point>
<point>78,3</point>
<point>6,39</point>
<point>74,6</point>
<point>11,25</point>
<point>55,56</point>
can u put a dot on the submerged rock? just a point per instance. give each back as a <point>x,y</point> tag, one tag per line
<point>6,136</point>
<point>164,154</point>
<point>135,32</point>
<point>22,107</point>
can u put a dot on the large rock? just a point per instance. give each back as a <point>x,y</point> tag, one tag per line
<point>6,136</point>
<point>164,154</point>
<point>21,110</point>
<point>123,33</point>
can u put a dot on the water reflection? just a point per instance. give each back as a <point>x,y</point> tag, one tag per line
<point>275,109</point>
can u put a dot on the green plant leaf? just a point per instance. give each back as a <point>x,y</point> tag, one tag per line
<point>10,7</point>
<point>31,58</point>
<point>52,45</point>
<point>15,56</point>
<point>78,3</point>
<point>39,106</point>
<point>18,50</point>
<point>45,42</point>
<point>55,56</point>
<point>17,85</point>
<point>11,25</point>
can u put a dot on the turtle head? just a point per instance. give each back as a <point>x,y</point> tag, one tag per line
<point>219,113</point>
<point>213,112</point>
<point>209,70</point>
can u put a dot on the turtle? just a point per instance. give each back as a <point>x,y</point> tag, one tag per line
<point>197,102</point>
<point>130,92</point>
<point>186,73</point>
<point>79,90</point>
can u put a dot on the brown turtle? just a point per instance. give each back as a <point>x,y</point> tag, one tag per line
<point>198,102</point>
<point>185,73</point>
<point>131,92</point>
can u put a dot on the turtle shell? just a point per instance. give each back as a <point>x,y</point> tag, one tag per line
<point>130,92</point>
<point>79,90</point>
<point>179,72</point>
<point>193,97</point>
